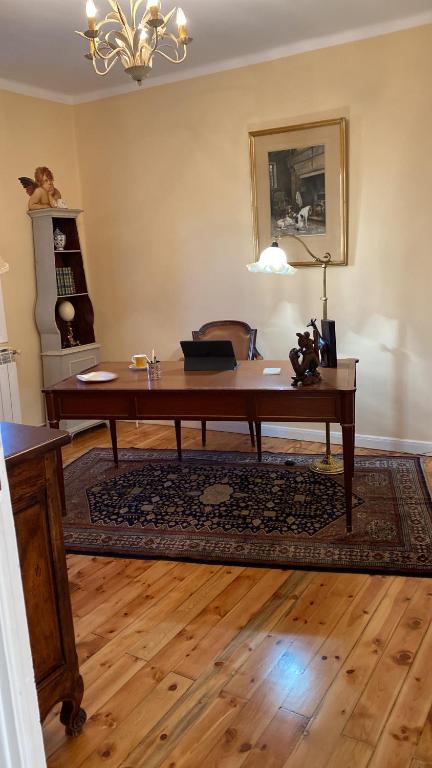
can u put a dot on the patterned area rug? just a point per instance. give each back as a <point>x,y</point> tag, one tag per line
<point>226,507</point>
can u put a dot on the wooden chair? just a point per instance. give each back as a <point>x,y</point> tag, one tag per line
<point>243,339</point>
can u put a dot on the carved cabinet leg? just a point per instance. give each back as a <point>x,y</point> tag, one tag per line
<point>73,717</point>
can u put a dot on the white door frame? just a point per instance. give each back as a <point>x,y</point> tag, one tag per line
<point>21,743</point>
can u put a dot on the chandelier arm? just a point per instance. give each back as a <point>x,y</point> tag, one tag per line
<point>172,37</point>
<point>106,57</point>
<point>134,10</point>
<point>107,21</point>
<point>107,67</point>
<point>177,60</point>
<point>155,42</point>
<point>145,45</point>
<point>144,18</point>
<point>114,5</point>
<point>127,30</point>
<point>126,49</point>
<point>117,54</point>
<point>169,44</point>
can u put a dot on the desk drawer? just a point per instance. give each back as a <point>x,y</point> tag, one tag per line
<point>192,405</point>
<point>278,406</point>
<point>96,405</point>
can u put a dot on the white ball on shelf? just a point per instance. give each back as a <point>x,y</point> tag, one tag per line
<point>66,311</point>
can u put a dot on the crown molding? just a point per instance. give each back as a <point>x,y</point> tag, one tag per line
<point>36,93</point>
<point>303,46</point>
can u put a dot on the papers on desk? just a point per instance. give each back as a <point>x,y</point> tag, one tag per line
<point>271,371</point>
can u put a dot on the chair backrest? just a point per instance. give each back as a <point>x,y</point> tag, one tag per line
<point>243,337</point>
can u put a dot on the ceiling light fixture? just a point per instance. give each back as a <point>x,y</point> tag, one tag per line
<point>134,41</point>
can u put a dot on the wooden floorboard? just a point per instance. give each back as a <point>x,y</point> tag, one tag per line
<point>188,665</point>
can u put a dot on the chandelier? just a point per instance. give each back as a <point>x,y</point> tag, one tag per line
<point>134,41</point>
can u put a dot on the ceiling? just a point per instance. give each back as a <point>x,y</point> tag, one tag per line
<point>40,54</point>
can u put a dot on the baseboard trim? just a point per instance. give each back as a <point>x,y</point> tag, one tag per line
<point>313,435</point>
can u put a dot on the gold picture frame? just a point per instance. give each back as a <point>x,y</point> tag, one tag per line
<point>299,186</point>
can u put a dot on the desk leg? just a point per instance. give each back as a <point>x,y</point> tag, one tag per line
<point>258,439</point>
<point>177,424</point>
<point>59,468</point>
<point>353,451</point>
<point>353,438</point>
<point>252,434</point>
<point>348,457</point>
<point>113,430</point>
<point>54,423</point>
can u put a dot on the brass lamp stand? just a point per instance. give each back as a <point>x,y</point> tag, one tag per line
<point>327,465</point>
<point>273,260</point>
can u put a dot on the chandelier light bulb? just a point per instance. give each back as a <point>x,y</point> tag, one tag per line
<point>91,9</point>
<point>143,35</point>
<point>91,14</point>
<point>181,18</point>
<point>181,23</point>
<point>153,6</point>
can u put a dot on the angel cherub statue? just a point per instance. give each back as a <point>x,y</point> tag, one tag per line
<point>41,190</point>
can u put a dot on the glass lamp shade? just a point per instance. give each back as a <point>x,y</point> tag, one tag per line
<point>66,311</point>
<point>272,261</point>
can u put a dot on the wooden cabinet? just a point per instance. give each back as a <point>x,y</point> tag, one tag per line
<point>68,346</point>
<point>31,455</point>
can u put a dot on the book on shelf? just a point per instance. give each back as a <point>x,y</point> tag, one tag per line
<point>65,281</point>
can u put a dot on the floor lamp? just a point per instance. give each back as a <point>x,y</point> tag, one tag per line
<point>273,261</point>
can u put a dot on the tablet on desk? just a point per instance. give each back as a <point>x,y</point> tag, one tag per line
<point>215,355</point>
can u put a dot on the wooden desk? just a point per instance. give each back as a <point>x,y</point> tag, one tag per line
<point>244,394</point>
<point>31,455</point>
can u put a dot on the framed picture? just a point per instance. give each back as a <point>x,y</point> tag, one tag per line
<point>299,188</point>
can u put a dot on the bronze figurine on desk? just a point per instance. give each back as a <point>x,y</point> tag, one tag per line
<point>305,370</point>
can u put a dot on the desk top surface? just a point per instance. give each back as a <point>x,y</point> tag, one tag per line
<point>248,376</point>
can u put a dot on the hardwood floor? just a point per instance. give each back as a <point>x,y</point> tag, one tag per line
<point>189,665</point>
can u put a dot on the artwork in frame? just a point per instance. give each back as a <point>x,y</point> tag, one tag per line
<point>299,187</point>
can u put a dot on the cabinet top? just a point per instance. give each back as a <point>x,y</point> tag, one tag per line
<point>22,442</point>
<point>55,213</point>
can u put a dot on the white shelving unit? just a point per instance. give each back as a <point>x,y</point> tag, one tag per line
<point>59,358</point>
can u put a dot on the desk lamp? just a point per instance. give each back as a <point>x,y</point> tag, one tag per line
<point>273,261</point>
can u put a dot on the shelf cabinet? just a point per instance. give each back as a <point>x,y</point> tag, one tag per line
<point>67,347</point>
<point>31,455</point>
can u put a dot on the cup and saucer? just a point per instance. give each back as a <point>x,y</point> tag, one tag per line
<point>139,363</point>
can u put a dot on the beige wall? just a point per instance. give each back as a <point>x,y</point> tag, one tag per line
<point>32,132</point>
<point>165,180</point>
<point>165,175</point>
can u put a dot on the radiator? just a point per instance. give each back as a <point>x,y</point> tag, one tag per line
<point>10,407</point>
